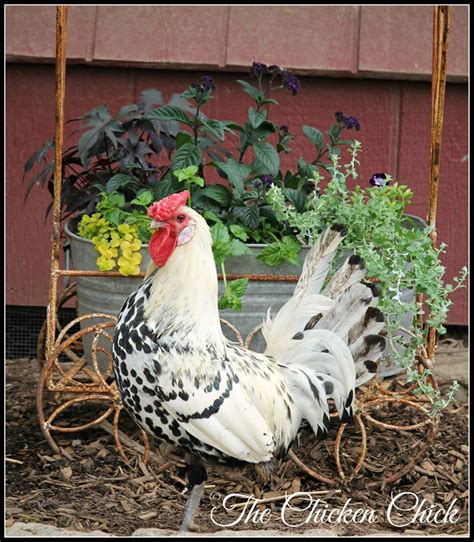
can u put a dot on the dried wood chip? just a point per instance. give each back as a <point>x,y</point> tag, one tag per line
<point>102,453</point>
<point>11,460</point>
<point>12,510</point>
<point>271,494</point>
<point>148,515</point>
<point>31,496</point>
<point>142,479</point>
<point>448,497</point>
<point>68,453</point>
<point>420,484</point>
<point>66,473</point>
<point>457,454</point>
<point>373,467</point>
<point>296,485</point>
<point>143,468</point>
<point>96,444</point>
<point>68,511</point>
<point>126,506</point>
<point>178,479</point>
<point>47,458</point>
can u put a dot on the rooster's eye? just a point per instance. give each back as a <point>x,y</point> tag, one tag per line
<point>180,218</point>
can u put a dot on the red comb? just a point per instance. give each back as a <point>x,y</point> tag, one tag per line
<point>163,209</point>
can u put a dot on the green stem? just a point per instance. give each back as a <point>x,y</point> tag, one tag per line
<point>273,236</point>
<point>224,278</point>
<point>196,123</point>
<point>249,135</point>
<point>188,188</point>
<point>107,154</point>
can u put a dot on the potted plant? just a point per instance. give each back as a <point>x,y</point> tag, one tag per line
<point>149,150</point>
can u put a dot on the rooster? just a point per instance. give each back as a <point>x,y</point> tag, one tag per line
<point>186,384</point>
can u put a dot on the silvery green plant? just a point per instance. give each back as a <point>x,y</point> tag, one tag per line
<point>398,255</point>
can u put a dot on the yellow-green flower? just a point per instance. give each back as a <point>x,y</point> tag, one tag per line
<point>114,239</point>
<point>105,250</point>
<point>134,259</point>
<point>127,268</point>
<point>105,264</point>
<point>126,228</point>
<point>131,244</point>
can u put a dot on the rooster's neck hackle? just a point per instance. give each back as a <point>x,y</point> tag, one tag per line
<point>184,295</point>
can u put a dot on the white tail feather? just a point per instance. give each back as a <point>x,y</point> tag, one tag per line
<point>310,335</point>
<point>279,333</point>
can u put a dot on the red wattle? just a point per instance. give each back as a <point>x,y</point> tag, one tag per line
<point>162,244</point>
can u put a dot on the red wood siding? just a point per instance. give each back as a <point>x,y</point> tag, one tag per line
<point>398,40</point>
<point>394,115</point>
<point>383,41</point>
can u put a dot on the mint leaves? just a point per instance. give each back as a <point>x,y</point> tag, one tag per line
<point>224,245</point>
<point>286,250</point>
<point>232,297</point>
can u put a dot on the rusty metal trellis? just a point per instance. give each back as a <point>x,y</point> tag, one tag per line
<point>74,382</point>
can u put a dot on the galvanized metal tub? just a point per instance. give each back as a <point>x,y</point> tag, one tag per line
<point>107,295</point>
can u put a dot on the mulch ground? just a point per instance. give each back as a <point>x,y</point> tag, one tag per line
<point>95,489</point>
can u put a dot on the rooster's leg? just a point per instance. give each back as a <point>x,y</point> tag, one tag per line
<point>196,476</point>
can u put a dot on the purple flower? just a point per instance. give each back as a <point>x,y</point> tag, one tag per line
<point>267,181</point>
<point>283,129</point>
<point>258,68</point>
<point>347,122</point>
<point>309,188</point>
<point>379,179</point>
<point>207,83</point>
<point>291,82</point>
<point>352,122</point>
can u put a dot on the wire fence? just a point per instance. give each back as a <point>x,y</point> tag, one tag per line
<point>23,326</point>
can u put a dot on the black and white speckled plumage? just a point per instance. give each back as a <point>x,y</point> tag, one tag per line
<point>184,383</point>
<point>164,388</point>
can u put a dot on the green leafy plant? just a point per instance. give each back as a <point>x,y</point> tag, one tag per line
<point>151,149</point>
<point>118,235</point>
<point>224,244</point>
<point>119,153</point>
<point>396,253</point>
<point>157,147</point>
